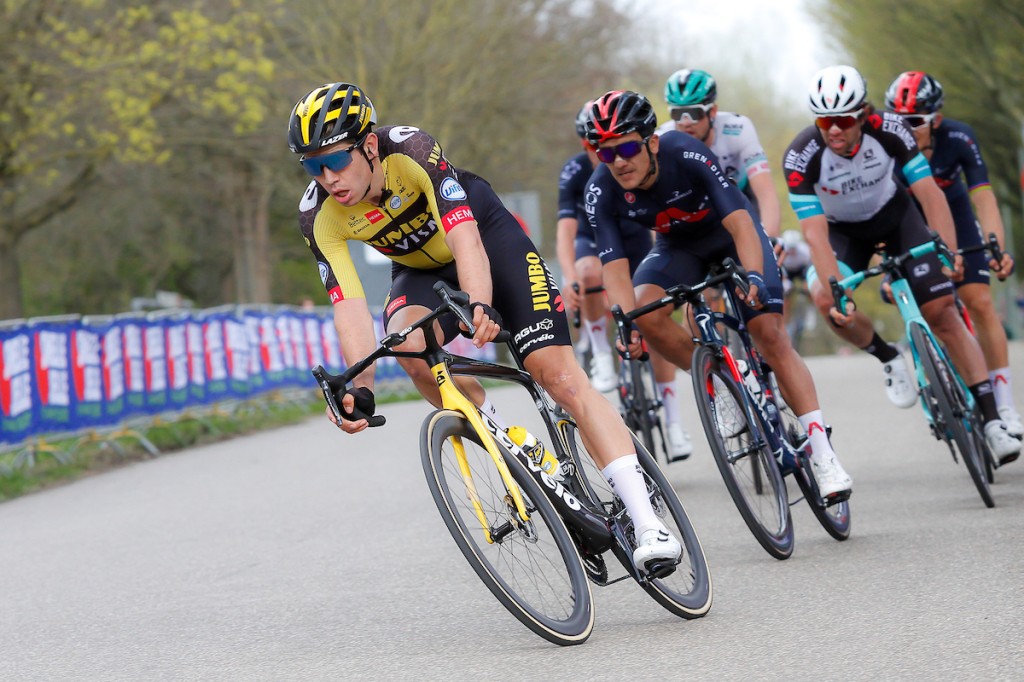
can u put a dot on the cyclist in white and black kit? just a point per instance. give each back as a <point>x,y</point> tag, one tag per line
<point>842,186</point>
<point>672,184</point>
<point>691,95</point>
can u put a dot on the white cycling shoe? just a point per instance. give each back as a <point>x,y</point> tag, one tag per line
<point>900,385</point>
<point>1012,421</point>
<point>679,444</point>
<point>602,372</point>
<point>656,545</point>
<point>1005,448</point>
<point>832,479</point>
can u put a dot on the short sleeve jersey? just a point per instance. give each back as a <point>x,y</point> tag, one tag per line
<point>571,185</point>
<point>736,145</point>
<point>686,204</point>
<point>955,151</point>
<point>423,201</point>
<point>851,189</point>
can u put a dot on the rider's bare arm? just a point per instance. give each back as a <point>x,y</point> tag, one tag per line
<point>767,202</point>
<point>474,276</point>
<point>354,323</point>
<point>936,209</point>
<point>565,247</point>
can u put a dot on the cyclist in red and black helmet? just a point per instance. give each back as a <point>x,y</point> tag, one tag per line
<point>952,149</point>
<point>672,184</point>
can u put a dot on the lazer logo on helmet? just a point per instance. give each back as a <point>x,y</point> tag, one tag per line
<point>332,140</point>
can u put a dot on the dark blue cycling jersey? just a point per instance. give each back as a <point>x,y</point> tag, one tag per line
<point>685,206</point>
<point>572,186</point>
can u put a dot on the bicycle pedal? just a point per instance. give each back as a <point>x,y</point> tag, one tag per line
<point>837,498</point>
<point>656,570</point>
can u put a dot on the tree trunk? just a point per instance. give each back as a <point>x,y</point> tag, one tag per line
<point>10,279</point>
<point>251,229</point>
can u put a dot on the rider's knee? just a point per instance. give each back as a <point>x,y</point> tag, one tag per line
<point>565,384</point>
<point>416,369</point>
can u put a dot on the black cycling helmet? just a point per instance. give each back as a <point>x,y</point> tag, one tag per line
<point>617,113</point>
<point>914,92</point>
<point>328,114</point>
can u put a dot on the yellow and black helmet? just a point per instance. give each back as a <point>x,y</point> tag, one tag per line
<point>328,114</point>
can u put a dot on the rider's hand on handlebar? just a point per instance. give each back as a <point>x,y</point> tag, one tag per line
<point>754,298</point>
<point>840,319</point>
<point>486,321</point>
<point>1003,268</point>
<point>636,348</point>
<point>571,294</point>
<point>360,399</point>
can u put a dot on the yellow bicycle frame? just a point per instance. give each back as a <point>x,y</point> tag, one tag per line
<point>453,399</point>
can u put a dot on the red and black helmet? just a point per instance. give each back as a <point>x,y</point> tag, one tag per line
<point>914,92</point>
<point>618,113</point>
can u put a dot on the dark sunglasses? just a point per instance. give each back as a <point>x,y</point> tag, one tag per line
<point>919,120</point>
<point>689,114</point>
<point>626,150</point>
<point>335,161</point>
<point>845,122</point>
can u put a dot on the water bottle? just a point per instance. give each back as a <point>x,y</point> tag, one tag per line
<point>753,385</point>
<point>536,451</point>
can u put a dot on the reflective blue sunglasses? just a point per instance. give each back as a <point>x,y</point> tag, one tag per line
<point>335,161</point>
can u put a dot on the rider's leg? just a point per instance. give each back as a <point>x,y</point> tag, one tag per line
<point>992,339</point>
<point>605,436</point>
<point>963,348</point>
<point>664,334</point>
<point>593,308</point>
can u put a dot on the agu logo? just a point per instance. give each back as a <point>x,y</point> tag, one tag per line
<point>452,190</point>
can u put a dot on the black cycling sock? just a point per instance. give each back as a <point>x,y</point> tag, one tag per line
<point>986,399</point>
<point>881,349</point>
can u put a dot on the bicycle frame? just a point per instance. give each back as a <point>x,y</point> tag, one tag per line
<point>911,314</point>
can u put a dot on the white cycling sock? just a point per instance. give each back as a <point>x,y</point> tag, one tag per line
<point>488,408</point>
<point>814,425</point>
<point>598,335</point>
<point>627,479</point>
<point>667,393</point>
<point>1001,386</point>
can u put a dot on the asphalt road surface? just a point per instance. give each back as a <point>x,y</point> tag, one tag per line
<point>305,554</point>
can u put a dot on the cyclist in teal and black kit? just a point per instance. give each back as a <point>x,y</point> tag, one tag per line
<point>840,173</point>
<point>672,184</point>
<point>951,149</point>
<point>574,230</point>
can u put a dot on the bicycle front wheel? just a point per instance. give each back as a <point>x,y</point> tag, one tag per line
<point>950,413</point>
<point>531,567</point>
<point>742,454</point>
<point>835,519</point>
<point>687,592</point>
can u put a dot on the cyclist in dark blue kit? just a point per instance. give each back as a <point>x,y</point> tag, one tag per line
<point>951,148</point>
<point>673,185</point>
<point>577,254</point>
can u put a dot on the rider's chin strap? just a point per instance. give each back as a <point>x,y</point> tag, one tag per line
<point>711,126</point>
<point>654,162</point>
<point>370,162</point>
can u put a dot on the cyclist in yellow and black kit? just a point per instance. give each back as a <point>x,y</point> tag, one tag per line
<point>394,189</point>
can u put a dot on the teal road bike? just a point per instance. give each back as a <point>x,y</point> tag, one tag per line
<point>952,413</point>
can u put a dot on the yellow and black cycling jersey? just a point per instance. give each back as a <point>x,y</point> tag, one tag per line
<point>423,201</point>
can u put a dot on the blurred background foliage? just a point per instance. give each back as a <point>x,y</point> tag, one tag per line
<point>142,147</point>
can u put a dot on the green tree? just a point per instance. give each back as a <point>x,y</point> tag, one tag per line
<point>83,83</point>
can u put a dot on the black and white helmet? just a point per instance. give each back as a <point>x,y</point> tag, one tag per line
<point>837,90</point>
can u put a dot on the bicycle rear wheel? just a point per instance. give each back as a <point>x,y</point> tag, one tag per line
<point>531,567</point>
<point>743,455</point>
<point>687,592</point>
<point>949,409</point>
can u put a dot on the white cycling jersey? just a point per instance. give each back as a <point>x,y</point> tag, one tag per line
<point>736,145</point>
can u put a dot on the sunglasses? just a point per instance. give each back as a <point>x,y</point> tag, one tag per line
<point>919,120</point>
<point>335,161</point>
<point>844,122</point>
<point>626,150</point>
<point>690,114</point>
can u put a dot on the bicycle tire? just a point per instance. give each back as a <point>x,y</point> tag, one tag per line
<point>741,461</point>
<point>688,592</point>
<point>558,605</point>
<point>835,519</point>
<point>952,418</point>
<point>642,398</point>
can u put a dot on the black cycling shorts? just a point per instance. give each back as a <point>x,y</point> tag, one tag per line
<point>524,291</point>
<point>900,226</point>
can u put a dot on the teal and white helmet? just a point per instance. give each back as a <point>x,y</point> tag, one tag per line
<point>688,87</point>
